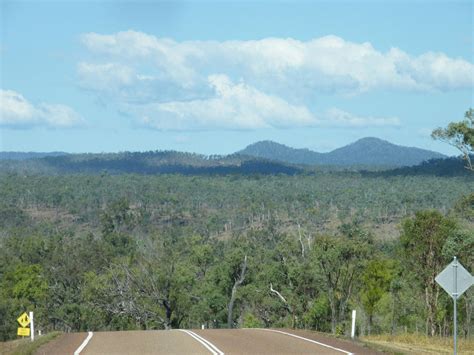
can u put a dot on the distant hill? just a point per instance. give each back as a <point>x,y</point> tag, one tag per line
<point>276,151</point>
<point>452,166</point>
<point>157,162</point>
<point>28,155</point>
<point>172,162</point>
<point>364,152</point>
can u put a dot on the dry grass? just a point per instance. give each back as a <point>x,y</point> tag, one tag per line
<point>7,347</point>
<point>419,344</point>
<point>25,346</point>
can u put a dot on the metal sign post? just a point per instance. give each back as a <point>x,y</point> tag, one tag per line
<point>455,280</point>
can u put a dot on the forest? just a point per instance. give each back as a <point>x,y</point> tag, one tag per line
<point>143,251</point>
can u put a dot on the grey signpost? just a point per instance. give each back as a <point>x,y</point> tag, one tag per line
<point>455,280</point>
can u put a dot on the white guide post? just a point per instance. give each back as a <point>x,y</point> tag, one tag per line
<point>353,330</point>
<point>32,327</point>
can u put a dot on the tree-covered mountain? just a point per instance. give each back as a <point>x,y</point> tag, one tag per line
<point>452,166</point>
<point>366,151</point>
<point>172,162</point>
<point>28,155</point>
<point>153,162</point>
<point>276,151</point>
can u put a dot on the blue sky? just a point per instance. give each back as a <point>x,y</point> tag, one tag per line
<point>213,77</point>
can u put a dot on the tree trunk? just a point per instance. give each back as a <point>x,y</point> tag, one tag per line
<point>333,320</point>
<point>237,283</point>
<point>168,314</point>
<point>468,309</point>
<point>333,315</point>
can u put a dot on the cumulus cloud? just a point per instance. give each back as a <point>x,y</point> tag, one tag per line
<point>16,111</point>
<point>271,82</point>
<point>233,106</point>
<point>241,107</point>
<point>326,63</point>
<point>107,76</point>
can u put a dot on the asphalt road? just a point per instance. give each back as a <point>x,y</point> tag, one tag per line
<point>209,341</point>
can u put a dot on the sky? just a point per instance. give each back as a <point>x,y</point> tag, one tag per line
<point>213,77</point>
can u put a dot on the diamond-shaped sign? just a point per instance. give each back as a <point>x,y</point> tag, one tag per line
<point>454,279</point>
<point>24,320</point>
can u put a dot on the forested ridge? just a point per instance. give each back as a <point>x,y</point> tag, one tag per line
<point>173,162</point>
<point>135,251</point>
<point>369,151</point>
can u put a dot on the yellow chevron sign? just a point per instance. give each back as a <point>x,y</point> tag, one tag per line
<point>24,320</point>
<point>24,332</point>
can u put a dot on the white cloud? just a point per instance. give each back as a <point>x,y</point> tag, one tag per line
<point>271,82</point>
<point>107,76</point>
<point>16,111</point>
<point>233,106</point>
<point>321,64</point>
<point>240,106</point>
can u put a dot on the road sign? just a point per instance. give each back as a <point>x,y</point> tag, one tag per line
<point>24,332</point>
<point>24,320</point>
<point>455,280</point>
<point>455,286</point>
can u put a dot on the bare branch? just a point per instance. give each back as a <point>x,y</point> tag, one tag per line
<point>278,294</point>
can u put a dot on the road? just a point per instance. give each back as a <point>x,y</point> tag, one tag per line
<point>205,342</point>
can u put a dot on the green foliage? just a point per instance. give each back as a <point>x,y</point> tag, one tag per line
<point>152,252</point>
<point>375,283</point>
<point>459,135</point>
<point>340,260</point>
<point>250,321</point>
<point>318,316</point>
<point>465,207</point>
<point>423,239</point>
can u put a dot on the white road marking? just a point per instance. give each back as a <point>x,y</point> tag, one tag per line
<point>310,340</point>
<point>84,344</point>
<point>211,347</point>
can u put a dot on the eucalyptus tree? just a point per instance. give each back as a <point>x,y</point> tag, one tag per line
<point>460,135</point>
<point>422,240</point>
<point>339,259</point>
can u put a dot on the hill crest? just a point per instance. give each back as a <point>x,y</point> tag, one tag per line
<point>368,151</point>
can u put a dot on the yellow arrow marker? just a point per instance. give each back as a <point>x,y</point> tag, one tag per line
<point>25,332</point>
<point>24,320</point>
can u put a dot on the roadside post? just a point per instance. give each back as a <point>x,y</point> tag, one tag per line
<point>353,330</point>
<point>455,280</point>
<point>32,327</point>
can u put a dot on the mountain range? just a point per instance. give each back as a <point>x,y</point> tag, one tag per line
<point>266,157</point>
<point>364,152</point>
<point>368,151</point>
